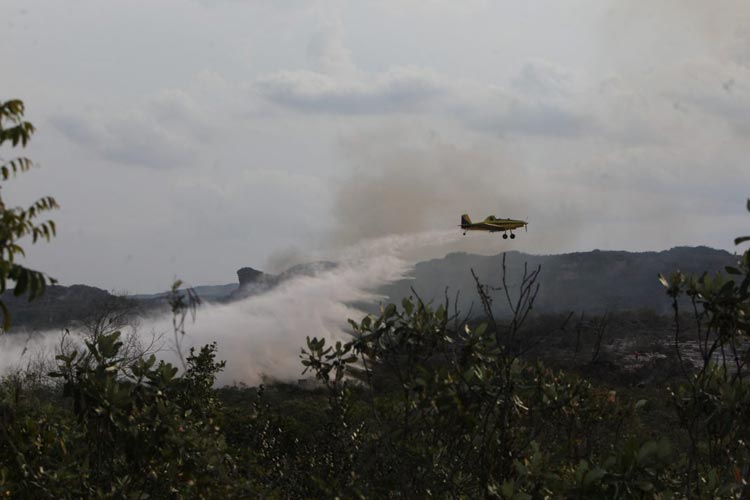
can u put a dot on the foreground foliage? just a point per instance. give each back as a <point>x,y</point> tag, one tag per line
<point>463,416</point>
<point>127,430</point>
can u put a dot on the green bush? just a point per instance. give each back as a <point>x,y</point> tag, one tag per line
<point>454,411</point>
<point>126,430</point>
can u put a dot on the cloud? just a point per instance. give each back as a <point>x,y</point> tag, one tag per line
<point>249,204</point>
<point>540,100</point>
<point>328,51</point>
<point>337,86</point>
<point>132,139</point>
<point>719,90</point>
<point>397,90</point>
<point>164,131</point>
<point>139,140</point>
<point>275,4</point>
<point>542,78</point>
<point>514,115</point>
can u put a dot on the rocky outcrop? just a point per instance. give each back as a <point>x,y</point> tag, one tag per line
<point>253,282</point>
<point>248,276</point>
<point>308,269</point>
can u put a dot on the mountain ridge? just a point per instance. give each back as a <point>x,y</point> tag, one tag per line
<point>595,281</point>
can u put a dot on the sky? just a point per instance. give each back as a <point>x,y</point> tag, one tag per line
<point>189,138</point>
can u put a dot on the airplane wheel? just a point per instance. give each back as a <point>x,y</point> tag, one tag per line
<point>512,236</point>
<point>505,236</point>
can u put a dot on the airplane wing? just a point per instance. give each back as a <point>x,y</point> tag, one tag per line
<point>498,226</point>
<point>502,225</point>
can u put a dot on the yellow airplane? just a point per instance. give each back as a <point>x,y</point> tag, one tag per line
<point>493,225</point>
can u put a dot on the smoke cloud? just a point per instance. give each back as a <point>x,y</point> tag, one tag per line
<point>402,181</point>
<point>34,352</point>
<point>408,185</point>
<point>281,260</point>
<point>261,336</point>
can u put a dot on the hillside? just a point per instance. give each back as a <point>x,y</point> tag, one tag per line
<point>595,281</point>
<point>59,306</point>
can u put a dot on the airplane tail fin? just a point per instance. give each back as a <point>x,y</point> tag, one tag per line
<point>465,220</point>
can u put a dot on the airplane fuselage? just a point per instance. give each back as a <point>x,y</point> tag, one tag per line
<point>492,224</point>
<point>495,226</point>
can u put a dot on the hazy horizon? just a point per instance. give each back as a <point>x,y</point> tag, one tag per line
<point>428,250</point>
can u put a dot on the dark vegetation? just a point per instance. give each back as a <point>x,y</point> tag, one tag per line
<point>598,279</point>
<point>64,306</point>
<point>421,402</point>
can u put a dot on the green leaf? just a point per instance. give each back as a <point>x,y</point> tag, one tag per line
<point>507,488</point>
<point>390,310</point>
<point>593,476</point>
<point>645,485</point>
<point>22,282</point>
<point>407,305</point>
<point>647,450</point>
<point>727,289</point>
<point>664,449</point>
<point>6,316</point>
<point>33,285</point>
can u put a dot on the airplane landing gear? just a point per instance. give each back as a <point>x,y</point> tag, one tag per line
<point>512,236</point>
<point>505,236</point>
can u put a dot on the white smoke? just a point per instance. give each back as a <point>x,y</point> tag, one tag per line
<point>262,335</point>
<point>22,352</point>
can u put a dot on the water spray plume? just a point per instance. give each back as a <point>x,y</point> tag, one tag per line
<point>261,336</point>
